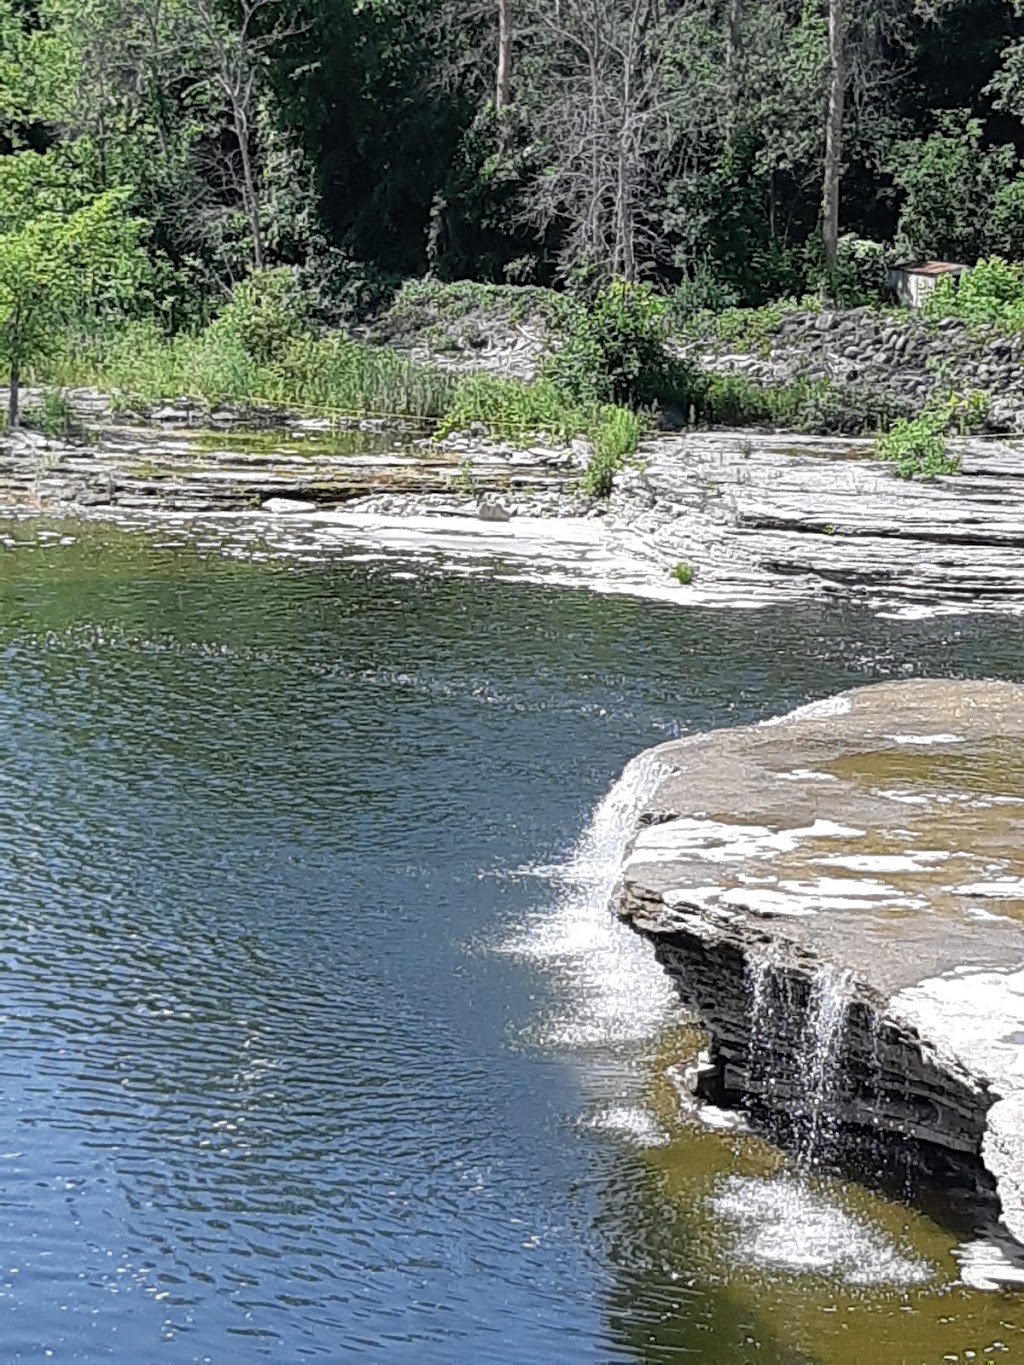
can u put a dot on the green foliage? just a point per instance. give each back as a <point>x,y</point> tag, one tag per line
<point>266,314</point>
<point>63,254</point>
<point>811,406</point>
<point>614,435</point>
<point>52,416</point>
<point>510,408</point>
<point>329,376</point>
<point>703,291</point>
<point>949,183</point>
<point>435,307</point>
<point>859,278</point>
<point>990,295</point>
<point>919,447</point>
<point>683,573</point>
<point>745,329</point>
<point>614,350</point>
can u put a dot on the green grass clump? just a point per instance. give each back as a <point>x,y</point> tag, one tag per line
<point>683,573</point>
<point>615,436</point>
<point>919,448</point>
<point>813,407</point>
<point>512,409</point>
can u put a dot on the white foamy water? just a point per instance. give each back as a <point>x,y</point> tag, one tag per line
<point>633,1123</point>
<point>611,989</point>
<point>782,1223</point>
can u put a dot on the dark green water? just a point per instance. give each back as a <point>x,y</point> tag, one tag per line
<point>313,1042</point>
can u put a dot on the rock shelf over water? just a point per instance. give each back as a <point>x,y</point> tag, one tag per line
<point>879,834</point>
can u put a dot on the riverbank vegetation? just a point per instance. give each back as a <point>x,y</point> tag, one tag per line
<point>218,199</point>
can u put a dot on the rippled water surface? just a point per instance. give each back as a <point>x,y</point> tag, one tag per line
<point>314,1039</point>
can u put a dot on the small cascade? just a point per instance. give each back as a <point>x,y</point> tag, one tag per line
<point>766,1008</point>
<point>824,1033</point>
<point>794,1049</point>
<point>612,990</point>
<point>596,861</point>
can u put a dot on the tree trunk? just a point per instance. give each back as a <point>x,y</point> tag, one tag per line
<point>13,404</point>
<point>250,193</point>
<point>503,92</point>
<point>834,135</point>
<point>734,53</point>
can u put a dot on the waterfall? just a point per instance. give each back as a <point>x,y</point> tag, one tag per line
<point>785,1054</point>
<point>611,988</point>
<point>824,1033</point>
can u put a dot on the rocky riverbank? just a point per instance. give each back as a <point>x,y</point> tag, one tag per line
<point>840,897</point>
<point>740,519</point>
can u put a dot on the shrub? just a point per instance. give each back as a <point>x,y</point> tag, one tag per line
<point>267,312</point>
<point>52,416</point>
<point>860,272</point>
<point>683,573</point>
<point>948,182</point>
<point>745,329</point>
<point>614,351</point>
<point>919,447</point>
<point>702,292</point>
<point>508,407</point>
<point>615,434</point>
<point>992,294</point>
<point>812,406</point>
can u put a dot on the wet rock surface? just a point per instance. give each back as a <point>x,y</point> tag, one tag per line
<point>873,845</point>
<point>175,461</point>
<point>756,518</point>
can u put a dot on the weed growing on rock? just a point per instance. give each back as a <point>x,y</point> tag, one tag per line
<point>920,448</point>
<point>683,573</point>
<point>52,417</point>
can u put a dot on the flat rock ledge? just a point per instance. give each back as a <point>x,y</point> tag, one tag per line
<point>763,518</point>
<point>873,842</point>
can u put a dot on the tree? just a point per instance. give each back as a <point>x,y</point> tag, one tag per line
<point>238,55</point>
<point>837,74</point>
<point>595,116</point>
<point>62,255</point>
<point>503,90</point>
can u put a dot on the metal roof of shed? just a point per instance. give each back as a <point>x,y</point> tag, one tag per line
<point>931,268</point>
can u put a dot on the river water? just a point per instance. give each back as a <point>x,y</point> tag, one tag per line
<point>315,1038</point>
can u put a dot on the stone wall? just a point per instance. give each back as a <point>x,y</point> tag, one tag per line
<point>905,357</point>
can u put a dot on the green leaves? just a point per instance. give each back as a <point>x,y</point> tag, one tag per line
<point>62,254</point>
<point>614,350</point>
<point>919,448</point>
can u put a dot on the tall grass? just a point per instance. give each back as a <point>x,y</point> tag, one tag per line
<point>329,375</point>
<point>512,409</point>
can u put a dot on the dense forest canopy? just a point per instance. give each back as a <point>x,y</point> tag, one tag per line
<point>701,145</point>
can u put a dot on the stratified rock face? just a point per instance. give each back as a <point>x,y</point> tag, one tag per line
<point>873,842</point>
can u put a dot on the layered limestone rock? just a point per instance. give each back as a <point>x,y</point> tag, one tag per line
<point>773,517</point>
<point>874,845</point>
